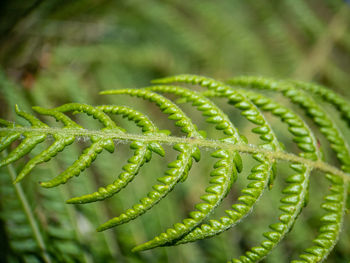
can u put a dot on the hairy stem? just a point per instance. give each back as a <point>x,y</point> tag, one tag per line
<point>200,142</point>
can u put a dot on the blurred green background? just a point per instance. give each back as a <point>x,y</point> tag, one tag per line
<point>54,52</point>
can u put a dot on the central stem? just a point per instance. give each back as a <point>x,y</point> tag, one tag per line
<point>200,142</point>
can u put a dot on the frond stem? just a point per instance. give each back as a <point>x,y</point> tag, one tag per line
<point>171,140</point>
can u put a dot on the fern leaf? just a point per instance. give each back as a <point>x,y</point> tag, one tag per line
<point>142,154</point>
<point>332,221</point>
<point>227,150</point>
<point>224,174</point>
<point>178,169</point>
<point>217,117</point>
<point>28,143</point>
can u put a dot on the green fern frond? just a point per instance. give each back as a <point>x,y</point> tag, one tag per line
<point>142,154</point>
<point>332,221</point>
<point>227,151</point>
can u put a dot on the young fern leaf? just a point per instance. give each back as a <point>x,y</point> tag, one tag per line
<point>178,170</point>
<point>224,175</point>
<point>331,97</point>
<point>142,154</point>
<point>336,201</point>
<point>297,184</point>
<point>28,143</point>
<point>60,142</point>
<point>8,139</point>
<point>89,154</point>
<point>226,150</point>
<point>261,173</point>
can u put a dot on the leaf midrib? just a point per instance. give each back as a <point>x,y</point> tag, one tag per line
<point>171,140</point>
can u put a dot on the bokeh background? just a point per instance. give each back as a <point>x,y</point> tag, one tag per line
<point>54,52</point>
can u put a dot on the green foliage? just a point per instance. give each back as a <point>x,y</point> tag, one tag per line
<point>226,150</point>
<point>56,52</point>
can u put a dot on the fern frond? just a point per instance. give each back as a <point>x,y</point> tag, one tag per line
<point>142,154</point>
<point>178,169</point>
<point>255,188</point>
<point>224,174</point>
<point>227,151</point>
<point>332,221</point>
<point>342,105</point>
<point>297,184</point>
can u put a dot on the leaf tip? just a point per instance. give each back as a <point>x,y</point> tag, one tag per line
<point>17,180</point>
<point>157,81</point>
<point>137,249</point>
<point>17,109</point>
<point>101,228</point>
<point>106,92</point>
<point>71,201</point>
<point>45,184</point>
